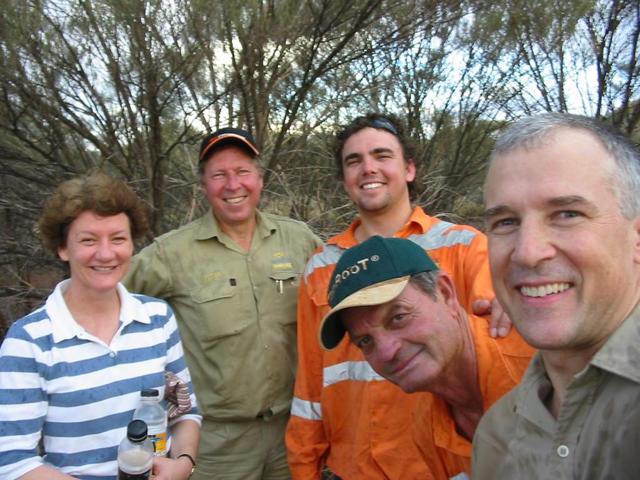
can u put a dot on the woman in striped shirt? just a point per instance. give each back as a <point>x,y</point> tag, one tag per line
<point>71,372</point>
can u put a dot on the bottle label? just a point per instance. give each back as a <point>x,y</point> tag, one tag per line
<point>159,441</point>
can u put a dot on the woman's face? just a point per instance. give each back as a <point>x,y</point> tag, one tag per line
<point>99,250</point>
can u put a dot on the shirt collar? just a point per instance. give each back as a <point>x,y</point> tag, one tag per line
<point>418,221</point>
<point>264,225</point>
<point>209,227</point>
<point>620,354</point>
<point>533,388</point>
<point>65,327</point>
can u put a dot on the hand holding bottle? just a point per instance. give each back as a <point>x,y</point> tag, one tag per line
<point>165,468</point>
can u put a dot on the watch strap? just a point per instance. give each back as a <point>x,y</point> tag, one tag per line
<point>193,462</point>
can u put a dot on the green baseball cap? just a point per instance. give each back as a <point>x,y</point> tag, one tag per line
<point>371,273</point>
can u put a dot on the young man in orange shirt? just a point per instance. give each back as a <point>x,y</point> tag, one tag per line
<point>345,416</point>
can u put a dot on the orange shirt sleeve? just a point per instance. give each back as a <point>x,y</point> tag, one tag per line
<point>307,445</point>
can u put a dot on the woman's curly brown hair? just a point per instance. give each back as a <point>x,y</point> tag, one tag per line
<point>96,192</point>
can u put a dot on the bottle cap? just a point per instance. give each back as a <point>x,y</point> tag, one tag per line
<point>137,430</point>
<point>149,392</point>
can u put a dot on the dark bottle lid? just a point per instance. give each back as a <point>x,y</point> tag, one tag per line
<point>149,392</point>
<point>137,431</point>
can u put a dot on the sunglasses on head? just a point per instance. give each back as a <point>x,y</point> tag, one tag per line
<point>384,124</point>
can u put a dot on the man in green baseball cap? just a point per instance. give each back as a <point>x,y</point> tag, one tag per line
<point>372,273</point>
<point>402,311</point>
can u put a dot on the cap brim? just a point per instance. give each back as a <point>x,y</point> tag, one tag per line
<point>225,138</point>
<point>331,329</point>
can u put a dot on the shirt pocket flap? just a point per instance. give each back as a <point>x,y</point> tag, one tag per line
<point>283,275</point>
<point>215,290</point>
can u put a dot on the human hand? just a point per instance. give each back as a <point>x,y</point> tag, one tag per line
<point>171,468</point>
<point>500,324</point>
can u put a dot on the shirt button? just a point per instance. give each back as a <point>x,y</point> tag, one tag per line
<point>563,451</point>
<point>112,354</point>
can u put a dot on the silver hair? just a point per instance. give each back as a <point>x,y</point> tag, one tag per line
<point>426,282</point>
<point>530,132</point>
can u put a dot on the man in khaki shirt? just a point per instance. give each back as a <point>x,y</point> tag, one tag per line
<point>231,276</point>
<point>563,220</point>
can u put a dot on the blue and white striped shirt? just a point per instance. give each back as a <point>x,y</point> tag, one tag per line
<point>65,385</point>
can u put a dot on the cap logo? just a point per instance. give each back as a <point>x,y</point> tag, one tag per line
<point>360,266</point>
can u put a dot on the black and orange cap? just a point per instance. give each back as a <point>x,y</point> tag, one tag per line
<point>225,136</point>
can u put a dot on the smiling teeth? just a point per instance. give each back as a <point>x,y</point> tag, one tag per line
<point>234,200</point>
<point>544,290</point>
<point>370,186</point>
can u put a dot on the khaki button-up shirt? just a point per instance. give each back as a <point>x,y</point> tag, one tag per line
<point>236,310</point>
<point>596,434</point>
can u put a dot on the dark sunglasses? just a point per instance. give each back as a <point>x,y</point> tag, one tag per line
<point>384,124</point>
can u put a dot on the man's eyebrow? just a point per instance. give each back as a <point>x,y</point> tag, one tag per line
<point>569,200</point>
<point>381,150</point>
<point>355,338</point>
<point>350,156</point>
<point>375,151</point>
<point>493,211</point>
<point>563,201</point>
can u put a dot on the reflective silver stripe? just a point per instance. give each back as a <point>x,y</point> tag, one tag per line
<point>355,371</point>
<point>306,409</point>
<point>460,476</point>
<point>329,255</point>
<point>438,236</point>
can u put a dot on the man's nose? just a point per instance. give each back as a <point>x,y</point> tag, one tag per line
<point>233,182</point>
<point>387,346</point>
<point>533,244</point>
<point>369,164</point>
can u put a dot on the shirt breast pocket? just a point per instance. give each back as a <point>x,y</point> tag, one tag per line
<point>221,312</point>
<point>285,284</point>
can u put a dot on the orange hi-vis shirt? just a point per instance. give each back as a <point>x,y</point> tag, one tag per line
<point>501,364</point>
<point>344,415</point>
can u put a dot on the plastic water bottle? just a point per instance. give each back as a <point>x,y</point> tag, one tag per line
<point>152,412</point>
<point>135,453</point>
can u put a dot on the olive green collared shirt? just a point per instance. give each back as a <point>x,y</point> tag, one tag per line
<point>236,310</point>
<point>596,434</point>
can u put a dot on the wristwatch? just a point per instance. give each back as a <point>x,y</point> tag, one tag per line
<point>193,462</point>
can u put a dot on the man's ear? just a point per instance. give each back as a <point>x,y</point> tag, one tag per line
<point>411,168</point>
<point>636,238</point>
<point>446,290</point>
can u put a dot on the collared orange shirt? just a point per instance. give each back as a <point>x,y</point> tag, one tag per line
<point>344,415</point>
<point>501,364</point>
